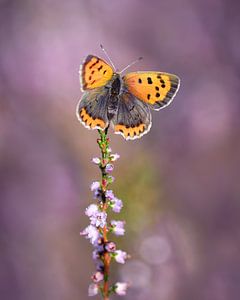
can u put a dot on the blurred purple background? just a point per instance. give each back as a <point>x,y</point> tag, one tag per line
<point>180,183</point>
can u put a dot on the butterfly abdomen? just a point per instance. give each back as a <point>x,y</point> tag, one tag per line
<point>113,97</point>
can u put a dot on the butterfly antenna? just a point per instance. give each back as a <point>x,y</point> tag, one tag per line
<point>131,64</point>
<point>108,57</point>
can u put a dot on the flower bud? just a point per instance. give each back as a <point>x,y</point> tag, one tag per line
<point>97,276</point>
<point>110,246</point>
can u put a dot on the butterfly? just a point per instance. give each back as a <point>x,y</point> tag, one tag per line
<point>124,102</point>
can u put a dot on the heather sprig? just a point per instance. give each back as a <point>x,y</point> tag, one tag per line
<point>101,230</point>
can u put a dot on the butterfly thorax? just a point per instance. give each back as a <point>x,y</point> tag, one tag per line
<point>115,86</point>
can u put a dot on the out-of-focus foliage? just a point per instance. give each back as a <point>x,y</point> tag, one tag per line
<point>180,182</point>
<point>138,184</point>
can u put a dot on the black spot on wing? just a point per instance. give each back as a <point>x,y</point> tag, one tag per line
<point>171,93</point>
<point>163,85</point>
<point>97,61</point>
<point>149,79</point>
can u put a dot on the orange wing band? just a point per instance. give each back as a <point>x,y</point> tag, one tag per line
<point>91,122</point>
<point>130,132</point>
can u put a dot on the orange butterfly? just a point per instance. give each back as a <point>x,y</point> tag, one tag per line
<point>123,102</point>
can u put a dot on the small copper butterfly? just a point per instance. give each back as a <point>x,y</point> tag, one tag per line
<point>124,102</point>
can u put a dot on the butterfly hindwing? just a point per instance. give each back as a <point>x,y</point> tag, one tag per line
<point>92,109</point>
<point>94,73</point>
<point>154,88</point>
<point>133,118</point>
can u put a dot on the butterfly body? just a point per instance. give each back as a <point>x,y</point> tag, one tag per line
<point>113,99</point>
<point>124,102</point>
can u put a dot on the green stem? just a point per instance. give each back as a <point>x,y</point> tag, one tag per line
<point>104,144</point>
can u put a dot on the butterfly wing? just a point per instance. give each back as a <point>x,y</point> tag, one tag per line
<point>94,73</point>
<point>154,88</point>
<point>92,109</point>
<point>133,118</point>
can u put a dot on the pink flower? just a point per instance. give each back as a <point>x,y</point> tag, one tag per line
<point>121,288</point>
<point>92,289</point>
<point>98,251</point>
<point>95,186</point>
<point>97,194</point>
<point>91,210</point>
<point>96,160</point>
<point>120,256</point>
<point>116,205</point>
<point>109,194</point>
<point>97,276</point>
<point>110,246</point>
<point>91,232</point>
<point>98,219</point>
<point>114,157</point>
<point>118,227</point>
<point>109,168</point>
<point>95,254</point>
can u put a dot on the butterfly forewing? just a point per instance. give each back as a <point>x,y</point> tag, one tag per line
<point>155,88</point>
<point>94,73</point>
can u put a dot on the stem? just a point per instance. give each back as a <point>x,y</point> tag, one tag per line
<point>103,144</point>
